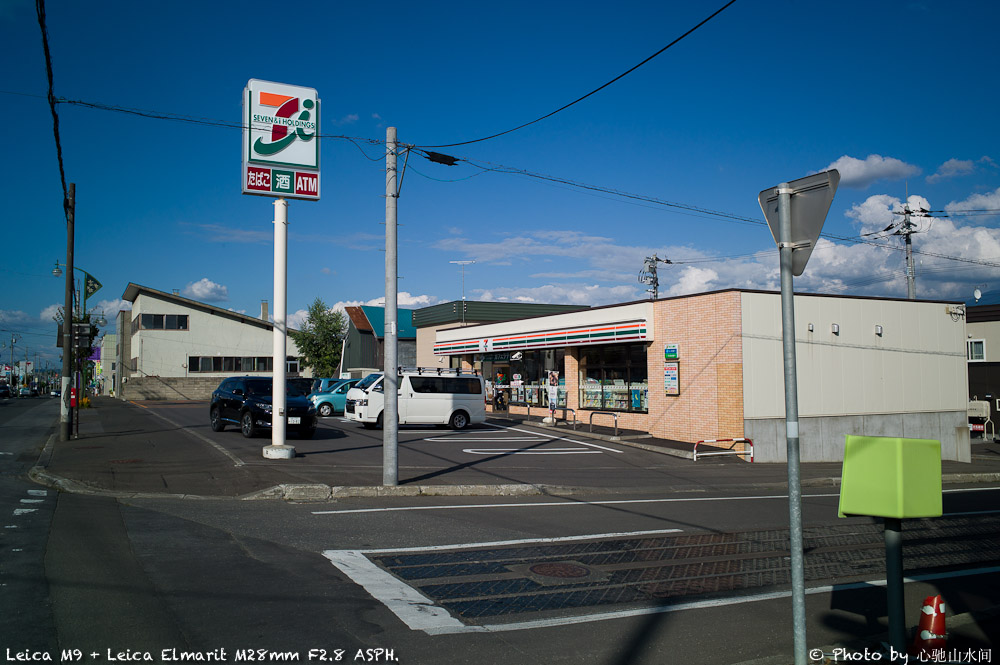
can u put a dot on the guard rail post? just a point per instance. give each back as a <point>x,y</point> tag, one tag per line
<point>604,413</point>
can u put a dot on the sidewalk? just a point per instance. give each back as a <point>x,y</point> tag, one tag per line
<point>125,450</point>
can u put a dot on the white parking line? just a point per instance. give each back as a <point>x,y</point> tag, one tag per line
<point>559,438</point>
<point>522,451</point>
<point>490,440</point>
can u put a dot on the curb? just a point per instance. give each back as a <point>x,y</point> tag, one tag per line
<point>316,492</point>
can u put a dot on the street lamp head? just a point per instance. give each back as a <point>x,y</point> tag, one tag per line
<point>57,271</point>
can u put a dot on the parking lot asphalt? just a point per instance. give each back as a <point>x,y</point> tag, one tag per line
<point>137,449</point>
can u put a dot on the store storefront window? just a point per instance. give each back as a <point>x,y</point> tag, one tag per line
<point>523,376</point>
<point>614,378</point>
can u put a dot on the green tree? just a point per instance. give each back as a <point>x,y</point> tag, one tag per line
<point>320,339</point>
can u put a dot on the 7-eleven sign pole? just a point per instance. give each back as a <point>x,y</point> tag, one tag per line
<point>280,159</point>
<point>279,403</point>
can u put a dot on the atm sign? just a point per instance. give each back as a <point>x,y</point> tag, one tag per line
<point>303,184</point>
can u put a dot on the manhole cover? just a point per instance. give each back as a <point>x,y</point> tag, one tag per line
<point>563,570</point>
<point>555,573</point>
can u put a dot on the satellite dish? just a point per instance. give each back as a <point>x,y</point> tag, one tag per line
<point>977,294</point>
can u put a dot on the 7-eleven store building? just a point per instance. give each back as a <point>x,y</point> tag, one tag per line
<point>710,366</point>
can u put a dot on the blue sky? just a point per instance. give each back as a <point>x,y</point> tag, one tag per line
<point>900,96</point>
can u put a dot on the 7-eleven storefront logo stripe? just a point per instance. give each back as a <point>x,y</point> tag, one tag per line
<point>601,334</point>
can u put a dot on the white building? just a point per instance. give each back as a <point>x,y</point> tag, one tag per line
<point>172,347</point>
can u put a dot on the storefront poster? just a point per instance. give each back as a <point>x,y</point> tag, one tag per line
<point>671,378</point>
<point>671,352</point>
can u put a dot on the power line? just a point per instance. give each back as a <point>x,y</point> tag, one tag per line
<point>40,11</point>
<point>592,92</point>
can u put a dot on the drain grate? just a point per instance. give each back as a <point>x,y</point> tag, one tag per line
<point>481,584</point>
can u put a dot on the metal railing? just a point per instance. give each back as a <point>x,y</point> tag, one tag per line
<point>603,413</point>
<point>728,451</point>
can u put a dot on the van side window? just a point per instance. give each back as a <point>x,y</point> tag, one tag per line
<point>446,385</point>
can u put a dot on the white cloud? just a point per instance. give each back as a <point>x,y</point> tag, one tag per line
<point>861,174</point>
<point>206,290</point>
<point>297,319</point>
<point>988,201</point>
<point>951,169</point>
<point>403,299</point>
<point>567,294</point>
<point>693,280</point>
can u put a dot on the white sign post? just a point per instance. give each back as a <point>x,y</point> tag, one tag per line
<point>795,211</point>
<point>280,159</point>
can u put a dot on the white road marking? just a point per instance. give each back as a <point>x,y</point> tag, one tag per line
<point>490,439</point>
<point>564,504</point>
<point>32,501</point>
<point>24,511</point>
<point>559,438</point>
<point>520,541</point>
<point>609,502</point>
<point>38,492</point>
<point>416,610</point>
<point>522,451</point>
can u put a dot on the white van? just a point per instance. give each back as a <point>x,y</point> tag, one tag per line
<point>427,395</point>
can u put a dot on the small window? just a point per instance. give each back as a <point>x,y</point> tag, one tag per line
<point>976,349</point>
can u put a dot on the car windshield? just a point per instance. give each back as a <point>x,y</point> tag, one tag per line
<point>367,382</point>
<point>262,388</point>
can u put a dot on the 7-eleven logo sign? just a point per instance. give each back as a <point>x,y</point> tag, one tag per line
<point>280,140</point>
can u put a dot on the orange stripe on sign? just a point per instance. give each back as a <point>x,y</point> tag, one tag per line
<point>273,99</point>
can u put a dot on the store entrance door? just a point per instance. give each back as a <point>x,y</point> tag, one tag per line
<point>501,388</point>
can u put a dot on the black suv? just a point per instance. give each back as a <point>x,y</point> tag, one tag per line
<point>246,401</point>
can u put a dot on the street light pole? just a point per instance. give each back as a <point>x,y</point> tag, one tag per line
<point>463,264</point>
<point>65,414</point>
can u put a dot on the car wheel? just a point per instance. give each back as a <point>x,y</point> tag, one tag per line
<point>217,424</point>
<point>247,426</point>
<point>378,422</point>
<point>459,420</point>
<point>325,409</point>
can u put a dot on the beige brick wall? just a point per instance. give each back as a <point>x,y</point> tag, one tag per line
<point>710,404</point>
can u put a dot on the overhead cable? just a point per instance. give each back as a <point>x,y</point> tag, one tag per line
<point>592,92</point>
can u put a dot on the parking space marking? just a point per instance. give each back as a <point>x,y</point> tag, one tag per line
<point>522,451</point>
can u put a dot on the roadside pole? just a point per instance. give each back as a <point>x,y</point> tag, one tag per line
<point>390,381</point>
<point>792,424</point>
<point>65,414</point>
<point>278,448</point>
<point>795,213</point>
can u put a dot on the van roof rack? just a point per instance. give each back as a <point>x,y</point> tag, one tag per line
<point>438,371</point>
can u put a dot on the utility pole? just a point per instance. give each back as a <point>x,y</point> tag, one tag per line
<point>909,228</point>
<point>390,380</point>
<point>65,414</point>
<point>463,264</point>
<point>648,275</point>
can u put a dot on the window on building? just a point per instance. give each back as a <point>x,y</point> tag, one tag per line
<point>976,350</point>
<point>235,364</point>
<point>160,322</point>
<point>614,378</point>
